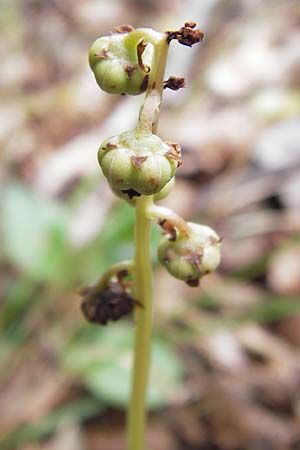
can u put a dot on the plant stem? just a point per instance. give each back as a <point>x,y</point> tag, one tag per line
<point>143,321</point>
<point>136,421</point>
<point>161,213</point>
<point>110,272</point>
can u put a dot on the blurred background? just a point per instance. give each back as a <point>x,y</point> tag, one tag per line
<point>226,357</point>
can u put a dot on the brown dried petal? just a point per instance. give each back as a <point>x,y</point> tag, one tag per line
<point>174,152</point>
<point>174,83</point>
<point>187,35</point>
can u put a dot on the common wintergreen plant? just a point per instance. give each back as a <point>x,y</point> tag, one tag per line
<point>140,168</point>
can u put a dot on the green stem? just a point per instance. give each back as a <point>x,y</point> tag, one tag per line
<point>136,421</point>
<point>111,272</point>
<point>163,213</point>
<point>143,321</point>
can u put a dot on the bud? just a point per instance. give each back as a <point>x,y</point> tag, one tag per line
<point>188,258</point>
<point>138,162</point>
<point>121,62</point>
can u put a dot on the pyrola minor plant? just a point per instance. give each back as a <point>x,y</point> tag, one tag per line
<point>140,168</point>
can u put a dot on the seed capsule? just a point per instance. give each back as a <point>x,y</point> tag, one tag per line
<point>190,258</point>
<point>130,195</point>
<point>138,162</point>
<point>121,63</point>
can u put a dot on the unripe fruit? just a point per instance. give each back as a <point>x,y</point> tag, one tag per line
<point>138,162</point>
<point>121,63</point>
<point>131,199</point>
<point>188,258</point>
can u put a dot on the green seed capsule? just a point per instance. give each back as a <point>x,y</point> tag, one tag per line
<point>131,199</point>
<point>138,162</point>
<point>121,63</point>
<point>190,258</point>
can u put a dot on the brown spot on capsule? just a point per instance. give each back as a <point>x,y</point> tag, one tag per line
<point>103,54</point>
<point>123,29</point>
<point>129,70</point>
<point>174,83</point>
<point>138,161</point>
<point>195,260</point>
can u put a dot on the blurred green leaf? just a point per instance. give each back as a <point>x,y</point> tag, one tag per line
<point>35,231</point>
<point>105,366</point>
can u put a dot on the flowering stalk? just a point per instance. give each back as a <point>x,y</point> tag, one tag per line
<point>143,273</point>
<point>140,168</point>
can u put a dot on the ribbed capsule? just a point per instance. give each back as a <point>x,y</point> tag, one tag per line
<point>188,258</point>
<point>138,162</point>
<point>121,62</point>
<point>131,199</point>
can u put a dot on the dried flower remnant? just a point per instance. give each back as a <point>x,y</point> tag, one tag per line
<point>174,83</point>
<point>111,304</point>
<point>108,299</point>
<point>174,153</point>
<point>186,35</point>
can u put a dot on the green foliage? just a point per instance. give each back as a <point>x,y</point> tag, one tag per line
<point>102,357</point>
<point>35,231</point>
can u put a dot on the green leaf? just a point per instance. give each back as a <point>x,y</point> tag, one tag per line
<point>104,363</point>
<point>34,231</point>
